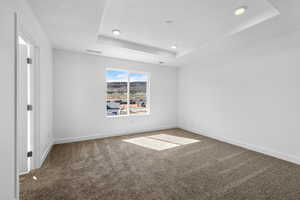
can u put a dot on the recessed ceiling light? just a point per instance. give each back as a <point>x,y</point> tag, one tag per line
<point>174,47</point>
<point>240,10</point>
<point>116,32</point>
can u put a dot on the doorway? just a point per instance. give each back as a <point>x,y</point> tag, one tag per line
<point>25,105</point>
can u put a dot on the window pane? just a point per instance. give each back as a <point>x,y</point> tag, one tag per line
<point>116,101</point>
<point>138,93</point>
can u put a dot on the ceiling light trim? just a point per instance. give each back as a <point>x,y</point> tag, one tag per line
<point>116,42</point>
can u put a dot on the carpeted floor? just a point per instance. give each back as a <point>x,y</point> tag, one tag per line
<point>111,169</point>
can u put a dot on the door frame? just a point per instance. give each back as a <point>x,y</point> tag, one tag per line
<point>36,157</point>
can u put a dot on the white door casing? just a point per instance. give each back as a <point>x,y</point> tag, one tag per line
<point>22,109</point>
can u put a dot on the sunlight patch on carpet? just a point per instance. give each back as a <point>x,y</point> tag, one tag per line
<point>161,141</point>
<point>174,139</point>
<point>151,143</point>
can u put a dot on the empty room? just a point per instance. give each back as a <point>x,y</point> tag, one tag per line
<point>150,100</point>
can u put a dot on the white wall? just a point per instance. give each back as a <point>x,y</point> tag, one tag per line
<point>246,90</point>
<point>7,116</point>
<point>79,97</point>
<point>31,26</point>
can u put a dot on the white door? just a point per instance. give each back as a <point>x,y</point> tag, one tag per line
<point>22,109</point>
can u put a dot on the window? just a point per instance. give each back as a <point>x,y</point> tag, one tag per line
<point>127,93</point>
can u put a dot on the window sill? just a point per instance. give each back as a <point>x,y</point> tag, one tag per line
<point>131,115</point>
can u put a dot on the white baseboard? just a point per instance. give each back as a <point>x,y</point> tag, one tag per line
<point>99,136</point>
<point>23,173</point>
<point>45,153</point>
<point>269,152</point>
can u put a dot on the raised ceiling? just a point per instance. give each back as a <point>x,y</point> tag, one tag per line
<point>148,28</point>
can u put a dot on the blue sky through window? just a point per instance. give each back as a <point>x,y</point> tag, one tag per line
<point>116,76</point>
<point>121,76</point>
<point>138,77</point>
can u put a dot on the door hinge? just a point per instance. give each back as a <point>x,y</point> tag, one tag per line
<point>29,61</point>
<point>29,107</point>
<point>29,154</point>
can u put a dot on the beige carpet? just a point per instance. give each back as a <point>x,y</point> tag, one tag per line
<point>112,169</point>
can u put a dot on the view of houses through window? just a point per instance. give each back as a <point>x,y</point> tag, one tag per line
<point>127,92</point>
